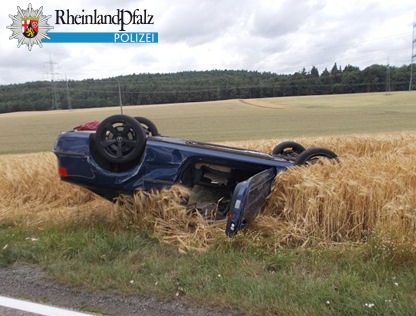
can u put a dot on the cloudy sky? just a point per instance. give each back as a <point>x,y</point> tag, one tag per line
<point>281,36</point>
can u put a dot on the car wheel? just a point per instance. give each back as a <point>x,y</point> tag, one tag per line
<point>120,139</point>
<point>288,149</point>
<point>313,155</point>
<point>149,127</point>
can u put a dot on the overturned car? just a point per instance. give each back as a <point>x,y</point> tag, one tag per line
<point>122,154</point>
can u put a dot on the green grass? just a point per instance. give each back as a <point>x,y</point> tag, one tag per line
<point>285,117</point>
<point>243,277</point>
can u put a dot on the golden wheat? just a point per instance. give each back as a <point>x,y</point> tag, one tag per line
<point>371,191</point>
<point>32,193</point>
<point>166,213</point>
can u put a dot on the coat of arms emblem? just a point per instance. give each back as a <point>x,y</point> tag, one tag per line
<point>29,26</point>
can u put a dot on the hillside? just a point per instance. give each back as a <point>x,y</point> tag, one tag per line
<point>196,86</point>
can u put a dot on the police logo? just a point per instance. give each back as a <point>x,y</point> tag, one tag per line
<point>29,26</point>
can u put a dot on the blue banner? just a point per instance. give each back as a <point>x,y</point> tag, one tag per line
<point>103,37</point>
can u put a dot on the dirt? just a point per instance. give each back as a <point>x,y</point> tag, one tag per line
<point>30,283</point>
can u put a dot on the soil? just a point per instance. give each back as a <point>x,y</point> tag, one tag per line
<point>30,283</point>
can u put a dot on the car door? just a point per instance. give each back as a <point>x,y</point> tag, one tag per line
<point>249,198</point>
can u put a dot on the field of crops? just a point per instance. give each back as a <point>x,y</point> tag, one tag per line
<point>371,192</point>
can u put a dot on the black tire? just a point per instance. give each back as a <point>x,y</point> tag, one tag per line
<point>149,127</point>
<point>288,149</point>
<point>312,155</point>
<point>120,139</point>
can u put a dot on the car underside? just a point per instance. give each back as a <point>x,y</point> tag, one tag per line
<point>123,154</point>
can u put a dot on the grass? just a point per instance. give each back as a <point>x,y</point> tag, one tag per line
<point>234,275</point>
<point>333,240</point>
<point>228,120</point>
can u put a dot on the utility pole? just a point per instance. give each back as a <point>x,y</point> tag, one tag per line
<point>388,77</point>
<point>119,97</point>
<point>68,96</point>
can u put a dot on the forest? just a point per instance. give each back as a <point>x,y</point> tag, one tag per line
<point>193,86</point>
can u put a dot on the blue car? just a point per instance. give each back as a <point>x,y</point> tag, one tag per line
<point>122,154</point>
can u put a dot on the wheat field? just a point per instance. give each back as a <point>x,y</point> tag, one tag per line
<point>371,192</point>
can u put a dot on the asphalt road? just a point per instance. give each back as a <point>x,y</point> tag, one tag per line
<point>30,284</point>
<point>12,306</point>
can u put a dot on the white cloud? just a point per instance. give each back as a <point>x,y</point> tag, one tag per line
<point>266,35</point>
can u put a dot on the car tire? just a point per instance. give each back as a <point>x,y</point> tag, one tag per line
<point>312,155</point>
<point>120,139</point>
<point>288,149</point>
<point>149,127</point>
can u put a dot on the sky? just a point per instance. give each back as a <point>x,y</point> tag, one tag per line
<point>279,36</point>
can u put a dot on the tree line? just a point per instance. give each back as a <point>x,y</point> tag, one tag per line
<point>191,86</point>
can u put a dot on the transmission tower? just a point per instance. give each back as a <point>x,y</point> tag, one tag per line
<point>53,85</point>
<point>413,57</point>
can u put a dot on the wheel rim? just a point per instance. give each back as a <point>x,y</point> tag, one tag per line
<point>288,150</point>
<point>119,140</point>
<point>148,126</point>
<point>314,155</point>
